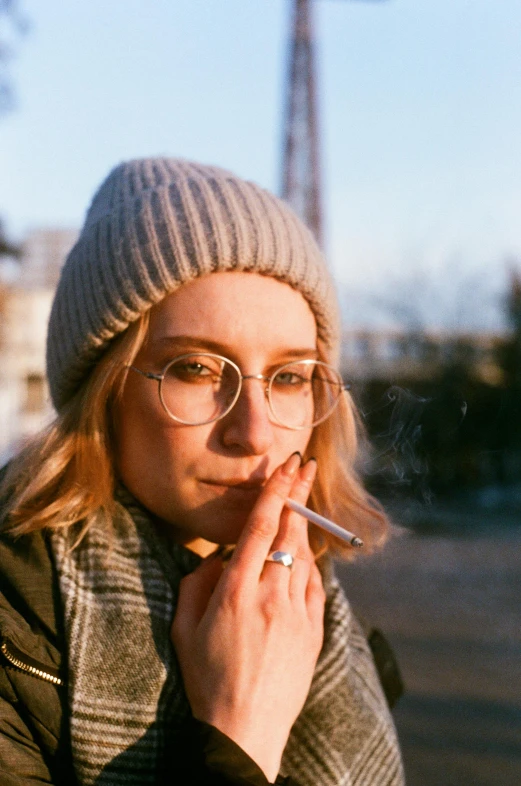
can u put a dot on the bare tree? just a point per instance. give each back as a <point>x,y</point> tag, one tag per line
<point>455,297</point>
<point>417,298</point>
<point>12,26</point>
<point>7,249</point>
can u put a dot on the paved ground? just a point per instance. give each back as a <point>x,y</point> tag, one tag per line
<point>451,607</point>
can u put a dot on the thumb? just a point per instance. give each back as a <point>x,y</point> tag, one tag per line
<point>195,591</point>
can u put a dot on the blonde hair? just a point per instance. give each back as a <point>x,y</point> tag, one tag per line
<point>339,444</point>
<point>65,477</point>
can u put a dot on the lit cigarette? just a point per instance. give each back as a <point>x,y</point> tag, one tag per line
<point>324,523</point>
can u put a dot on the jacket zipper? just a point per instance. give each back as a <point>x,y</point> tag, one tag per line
<point>17,663</point>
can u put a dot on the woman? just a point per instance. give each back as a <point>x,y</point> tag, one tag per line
<point>191,353</point>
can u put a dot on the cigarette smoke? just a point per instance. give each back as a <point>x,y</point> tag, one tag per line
<point>399,462</point>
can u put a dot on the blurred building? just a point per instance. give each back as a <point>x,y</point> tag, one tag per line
<point>43,253</point>
<point>415,356</point>
<point>25,303</point>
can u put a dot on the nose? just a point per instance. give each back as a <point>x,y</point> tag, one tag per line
<point>248,425</point>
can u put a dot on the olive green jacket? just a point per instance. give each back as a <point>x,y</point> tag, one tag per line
<point>34,734</point>
<point>34,719</point>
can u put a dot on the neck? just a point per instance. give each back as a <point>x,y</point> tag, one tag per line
<point>201,547</point>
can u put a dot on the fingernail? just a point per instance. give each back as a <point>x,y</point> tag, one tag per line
<point>224,553</point>
<point>292,464</point>
<point>309,470</point>
<point>311,458</point>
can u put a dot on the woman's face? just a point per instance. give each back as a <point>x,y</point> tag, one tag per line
<point>204,480</point>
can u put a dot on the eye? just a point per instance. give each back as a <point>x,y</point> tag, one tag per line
<point>191,369</point>
<point>194,369</point>
<point>290,378</point>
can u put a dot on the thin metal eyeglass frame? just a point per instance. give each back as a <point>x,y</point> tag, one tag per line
<point>159,378</point>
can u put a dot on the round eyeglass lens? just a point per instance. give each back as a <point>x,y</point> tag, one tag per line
<point>304,393</point>
<point>199,388</point>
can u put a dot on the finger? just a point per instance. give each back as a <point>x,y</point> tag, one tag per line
<point>292,535</point>
<point>315,602</point>
<point>299,580</point>
<point>315,596</point>
<point>292,538</point>
<point>195,591</point>
<point>257,537</point>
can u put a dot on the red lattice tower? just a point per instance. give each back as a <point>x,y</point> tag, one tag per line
<point>301,164</point>
<point>301,159</point>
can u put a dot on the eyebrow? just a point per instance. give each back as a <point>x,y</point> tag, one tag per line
<point>196,342</point>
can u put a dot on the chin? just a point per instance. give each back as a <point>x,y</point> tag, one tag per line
<point>214,513</point>
<point>228,532</point>
<point>226,513</point>
<point>219,523</point>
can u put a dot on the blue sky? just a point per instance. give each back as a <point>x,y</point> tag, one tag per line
<point>420,112</point>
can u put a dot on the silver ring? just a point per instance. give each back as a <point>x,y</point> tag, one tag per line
<point>281,558</point>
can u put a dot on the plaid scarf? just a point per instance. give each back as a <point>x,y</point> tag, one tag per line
<point>126,693</point>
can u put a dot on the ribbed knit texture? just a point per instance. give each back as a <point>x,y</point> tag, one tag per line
<point>126,693</point>
<point>155,224</point>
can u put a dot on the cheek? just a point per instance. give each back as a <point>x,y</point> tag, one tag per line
<point>152,451</point>
<point>286,443</point>
<point>159,467</point>
<point>141,435</point>
<point>299,439</point>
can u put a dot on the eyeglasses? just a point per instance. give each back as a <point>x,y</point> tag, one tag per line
<point>200,388</point>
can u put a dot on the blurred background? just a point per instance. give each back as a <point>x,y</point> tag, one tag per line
<point>392,126</point>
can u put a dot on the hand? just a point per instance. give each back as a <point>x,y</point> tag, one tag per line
<point>248,638</point>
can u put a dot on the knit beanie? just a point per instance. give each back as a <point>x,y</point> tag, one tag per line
<point>155,224</point>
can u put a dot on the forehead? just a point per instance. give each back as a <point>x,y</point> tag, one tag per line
<point>236,308</point>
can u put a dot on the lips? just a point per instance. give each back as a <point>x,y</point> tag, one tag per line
<point>244,485</point>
